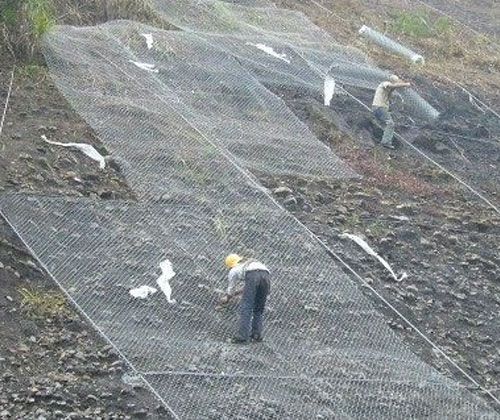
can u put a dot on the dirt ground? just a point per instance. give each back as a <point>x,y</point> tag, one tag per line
<point>422,224</point>
<point>28,163</point>
<point>416,216</point>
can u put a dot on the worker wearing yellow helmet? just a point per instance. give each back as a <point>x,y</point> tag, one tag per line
<point>256,286</point>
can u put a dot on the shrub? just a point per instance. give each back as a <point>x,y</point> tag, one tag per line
<point>24,23</point>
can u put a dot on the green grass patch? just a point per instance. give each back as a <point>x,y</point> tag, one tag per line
<point>43,304</point>
<point>40,16</point>
<point>443,26</point>
<point>378,229</point>
<point>220,226</point>
<point>8,16</point>
<point>227,18</point>
<point>32,71</point>
<point>420,24</point>
<point>23,23</point>
<point>352,222</point>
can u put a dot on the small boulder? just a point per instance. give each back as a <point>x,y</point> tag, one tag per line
<point>282,191</point>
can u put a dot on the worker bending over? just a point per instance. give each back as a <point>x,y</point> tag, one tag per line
<point>256,286</point>
<point>380,107</point>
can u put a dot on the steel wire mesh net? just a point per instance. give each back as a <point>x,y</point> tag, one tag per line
<point>327,352</point>
<point>195,89</point>
<point>303,53</point>
<point>190,121</point>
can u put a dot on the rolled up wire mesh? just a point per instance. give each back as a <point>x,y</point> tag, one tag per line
<point>390,45</point>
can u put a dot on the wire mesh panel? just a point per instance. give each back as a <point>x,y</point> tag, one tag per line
<point>194,88</point>
<point>262,398</point>
<point>282,48</point>
<point>327,352</point>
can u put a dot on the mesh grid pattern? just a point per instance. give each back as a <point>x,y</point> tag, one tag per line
<point>312,53</point>
<point>197,90</point>
<point>191,134</point>
<point>337,360</point>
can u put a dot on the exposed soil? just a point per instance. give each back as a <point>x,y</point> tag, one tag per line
<point>28,163</point>
<point>417,217</point>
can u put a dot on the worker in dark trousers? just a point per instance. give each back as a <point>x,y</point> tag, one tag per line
<point>380,107</point>
<point>256,287</point>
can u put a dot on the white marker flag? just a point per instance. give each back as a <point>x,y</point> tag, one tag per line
<point>89,150</point>
<point>167,273</point>
<point>370,251</point>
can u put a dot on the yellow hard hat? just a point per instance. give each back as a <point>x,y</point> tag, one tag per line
<point>232,260</point>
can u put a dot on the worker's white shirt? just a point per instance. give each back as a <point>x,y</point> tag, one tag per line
<point>383,95</point>
<point>237,273</point>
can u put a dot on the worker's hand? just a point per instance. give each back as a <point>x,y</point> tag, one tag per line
<point>224,299</point>
<point>223,302</point>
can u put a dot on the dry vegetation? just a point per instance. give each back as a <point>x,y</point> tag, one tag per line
<point>40,303</point>
<point>450,50</point>
<point>24,23</point>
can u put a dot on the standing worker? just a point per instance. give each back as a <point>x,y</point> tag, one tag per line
<point>380,107</point>
<point>256,286</point>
